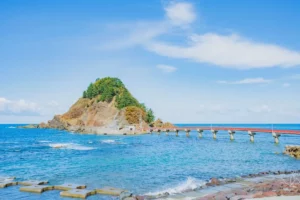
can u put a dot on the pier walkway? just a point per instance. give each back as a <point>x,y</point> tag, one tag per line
<point>276,133</point>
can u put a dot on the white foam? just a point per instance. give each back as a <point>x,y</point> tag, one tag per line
<point>11,127</point>
<point>44,141</point>
<point>108,141</point>
<point>189,185</point>
<point>70,146</point>
<point>9,142</point>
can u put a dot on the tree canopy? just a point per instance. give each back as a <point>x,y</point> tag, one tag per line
<point>106,89</point>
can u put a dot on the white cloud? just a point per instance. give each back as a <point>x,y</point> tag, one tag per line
<point>166,68</point>
<point>260,109</point>
<point>286,85</point>
<point>247,81</point>
<point>180,14</point>
<point>139,33</point>
<point>231,51</point>
<point>20,107</point>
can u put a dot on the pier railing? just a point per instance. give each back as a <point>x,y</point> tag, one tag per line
<point>276,133</point>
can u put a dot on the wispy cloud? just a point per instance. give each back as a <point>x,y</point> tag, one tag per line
<point>260,109</point>
<point>286,85</point>
<point>294,77</point>
<point>229,51</point>
<point>247,81</point>
<point>166,68</point>
<point>180,14</point>
<point>19,107</point>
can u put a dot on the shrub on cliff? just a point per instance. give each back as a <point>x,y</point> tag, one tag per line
<point>149,116</point>
<point>134,115</point>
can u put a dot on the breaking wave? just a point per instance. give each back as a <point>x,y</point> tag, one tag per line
<point>11,127</point>
<point>189,185</point>
<point>44,141</point>
<point>108,141</point>
<point>70,146</point>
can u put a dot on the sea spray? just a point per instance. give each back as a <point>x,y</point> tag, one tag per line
<point>111,142</point>
<point>189,185</point>
<point>44,141</point>
<point>70,146</point>
<point>108,141</point>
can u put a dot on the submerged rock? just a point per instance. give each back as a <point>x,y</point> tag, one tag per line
<point>29,126</point>
<point>214,181</point>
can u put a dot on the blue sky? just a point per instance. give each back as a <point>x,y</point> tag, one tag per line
<point>206,61</point>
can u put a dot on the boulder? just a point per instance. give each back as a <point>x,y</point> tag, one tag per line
<point>293,150</point>
<point>214,181</point>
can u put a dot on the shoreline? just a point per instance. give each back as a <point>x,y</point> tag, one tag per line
<point>91,130</point>
<point>251,186</point>
<point>263,184</point>
<point>260,185</point>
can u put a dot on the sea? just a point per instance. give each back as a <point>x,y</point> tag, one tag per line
<point>143,164</point>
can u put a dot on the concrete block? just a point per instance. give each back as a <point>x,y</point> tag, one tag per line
<point>32,182</point>
<point>130,198</point>
<point>4,184</point>
<point>36,188</point>
<point>110,191</point>
<point>69,186</point>
<point>78,193</point>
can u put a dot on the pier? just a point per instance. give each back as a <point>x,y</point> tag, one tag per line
<point>275,133</point>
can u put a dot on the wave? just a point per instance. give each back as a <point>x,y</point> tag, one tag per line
<point>9,142</point>
<point>70,146</point>
<point>44,141</point>
<point>108,141</point>
<point>112,142</point>
<point>189,185</point>
<point>11,127</point>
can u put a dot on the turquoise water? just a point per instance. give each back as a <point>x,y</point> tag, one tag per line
<point>141,164</point>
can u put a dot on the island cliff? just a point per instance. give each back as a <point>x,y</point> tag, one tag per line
<point>106,107</point>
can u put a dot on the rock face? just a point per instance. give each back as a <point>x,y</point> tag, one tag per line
<point>90,116</point>
<point>107,107</point>
<point>293,151</point>
<point>160,124</point>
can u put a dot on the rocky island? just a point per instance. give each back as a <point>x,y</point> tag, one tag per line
<point>106,107</point>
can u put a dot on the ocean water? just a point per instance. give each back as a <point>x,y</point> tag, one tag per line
<point>147,164</point>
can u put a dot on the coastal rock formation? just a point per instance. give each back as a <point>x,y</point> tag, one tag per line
<point>293,151</point>
<point>160,124</point>
<point>106,107</point>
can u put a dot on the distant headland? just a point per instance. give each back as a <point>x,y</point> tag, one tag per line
<point>106,107</point>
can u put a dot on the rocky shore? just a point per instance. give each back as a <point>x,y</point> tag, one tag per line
<point>263,184</point>
<point>293,151</point>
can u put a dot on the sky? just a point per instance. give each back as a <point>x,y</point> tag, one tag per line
<point>191,61</point>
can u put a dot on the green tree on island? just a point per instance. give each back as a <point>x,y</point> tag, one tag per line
<point>150,116</point>
<point>106,89</point>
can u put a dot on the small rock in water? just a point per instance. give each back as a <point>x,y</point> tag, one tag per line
<point>214,181</point>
